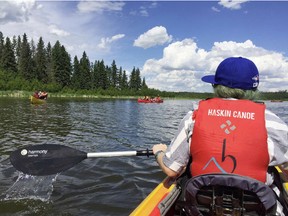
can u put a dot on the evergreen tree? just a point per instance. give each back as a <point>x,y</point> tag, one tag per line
<point>85,74</point>
<point>114,75</point>
<point>96,75</point>
<point>8,58</point>
<point>101,77</point>
<point>120,74</point>
<point>41,62</point>
<point>109,76</point>
<point>25,60</point>
<point>124,80</point>
<point>75,80</point>
<point>67,67</point>
<point>14,45</point>
<point>33,60</point>
<point>1,48</point>
<point>57,62</point>
<point>137,79</point>
<point>132,80</point>
<point>33,48</point>
<point>92,81</point>
<point>61,65</point>
<point>18,50</point>
<point>49,66</point>
<point>144,86</point>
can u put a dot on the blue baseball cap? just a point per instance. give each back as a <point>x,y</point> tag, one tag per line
<point>235,72</point>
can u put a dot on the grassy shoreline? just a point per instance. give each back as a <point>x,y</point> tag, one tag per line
<point>265,96</point>
<point>27,94</point>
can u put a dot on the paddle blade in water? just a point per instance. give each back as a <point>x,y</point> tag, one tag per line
<point>45,159</point>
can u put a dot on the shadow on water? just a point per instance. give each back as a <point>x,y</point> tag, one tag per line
<point>99,186</point>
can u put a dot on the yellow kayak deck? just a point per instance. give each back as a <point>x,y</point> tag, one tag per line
<point>155,204</point>
<point>149,206</point>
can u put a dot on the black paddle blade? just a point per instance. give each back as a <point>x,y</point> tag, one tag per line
<point>40,160</point>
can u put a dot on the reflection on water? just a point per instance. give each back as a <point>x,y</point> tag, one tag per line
<point>96,186</point>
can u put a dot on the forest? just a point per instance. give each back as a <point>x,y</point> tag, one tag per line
<point>26,66</point>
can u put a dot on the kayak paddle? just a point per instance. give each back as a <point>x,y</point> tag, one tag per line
<point>47,159</point>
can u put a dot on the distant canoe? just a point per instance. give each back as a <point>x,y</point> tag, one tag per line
<point>140,100</point>
<point>35,100</point>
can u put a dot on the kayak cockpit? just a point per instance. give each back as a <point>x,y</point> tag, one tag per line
<point>227,194</point>
<point>217,195</point>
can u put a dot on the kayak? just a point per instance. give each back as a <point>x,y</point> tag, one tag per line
<point>166,192</point>
<point>140,100</point>
<point>206,195</point>
<point>35,100</point>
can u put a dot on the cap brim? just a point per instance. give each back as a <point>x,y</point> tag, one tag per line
<point>209,79</point>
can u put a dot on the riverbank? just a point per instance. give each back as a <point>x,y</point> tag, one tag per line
<point>265,96</point>
<point>27,94</point>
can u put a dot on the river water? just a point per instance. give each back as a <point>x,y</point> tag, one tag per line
<point>96,186</point>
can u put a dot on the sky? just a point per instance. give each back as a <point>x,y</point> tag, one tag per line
<point>173,43</point>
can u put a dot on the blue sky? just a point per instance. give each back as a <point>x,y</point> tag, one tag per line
<point>172,43</point>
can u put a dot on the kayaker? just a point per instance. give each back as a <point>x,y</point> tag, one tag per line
<point>36,94</point>
<point>146,98</point>
<point>229,133</point>
<point>41,95</point>
<point>158,98</point>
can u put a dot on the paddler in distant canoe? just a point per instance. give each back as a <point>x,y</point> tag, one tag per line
<point>40,95</point>
<point>229,133</point>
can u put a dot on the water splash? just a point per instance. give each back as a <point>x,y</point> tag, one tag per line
<point>31,187</point>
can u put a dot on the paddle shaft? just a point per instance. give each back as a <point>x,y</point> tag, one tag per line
<point>120,153</point>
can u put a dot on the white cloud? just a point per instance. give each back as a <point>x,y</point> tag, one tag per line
<point>99,6</point>
<point>106,42</point>
<point>144,12</point>
<point>144,9</point>
<point>215,9</point>
<point>53,29</point>
<point>155,36</point>
<point>183,64</point>
<point>232,4</point>
<point>16,11</point>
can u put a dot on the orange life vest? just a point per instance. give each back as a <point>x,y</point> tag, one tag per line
<point>230,136</point>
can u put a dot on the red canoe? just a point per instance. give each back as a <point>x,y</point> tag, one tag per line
<point>140,100</point>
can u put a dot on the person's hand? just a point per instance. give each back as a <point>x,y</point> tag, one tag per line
<point>159,147</point>
<point>158,150</point>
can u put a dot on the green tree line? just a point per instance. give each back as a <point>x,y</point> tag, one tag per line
<point>25,65</point>
<point>280,95</point>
